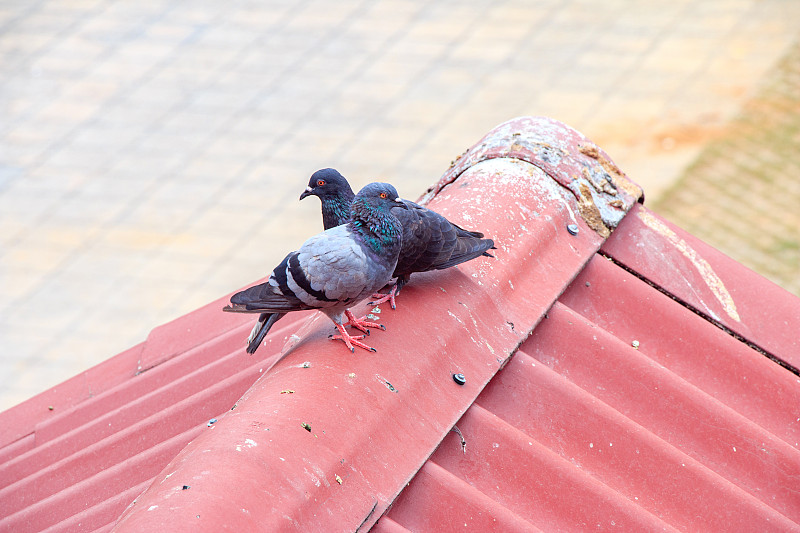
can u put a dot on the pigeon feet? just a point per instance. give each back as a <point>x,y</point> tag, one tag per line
<point>381,298</point>
<point>361,323</point>
<point>351,340</point>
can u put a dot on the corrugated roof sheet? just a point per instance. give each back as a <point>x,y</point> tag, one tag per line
<point>582,430</point>
<point>620,382</point>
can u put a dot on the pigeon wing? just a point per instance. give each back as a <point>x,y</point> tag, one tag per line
<point>466,248</point>
<point>333,270</point>
<point>431,242</point>
<point>272,296</point>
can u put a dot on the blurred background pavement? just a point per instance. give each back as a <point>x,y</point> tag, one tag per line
<point>152,152</point>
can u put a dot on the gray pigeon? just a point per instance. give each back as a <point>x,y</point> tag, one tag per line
<point>333,270</point>
<point>430,241</point>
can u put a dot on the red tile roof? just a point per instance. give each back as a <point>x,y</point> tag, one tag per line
<point>611,381</point>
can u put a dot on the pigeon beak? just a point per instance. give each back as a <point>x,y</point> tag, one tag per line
<point>307,192</point>
<point>400,203</point>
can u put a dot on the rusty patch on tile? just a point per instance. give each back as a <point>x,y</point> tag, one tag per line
<point>590,212</point>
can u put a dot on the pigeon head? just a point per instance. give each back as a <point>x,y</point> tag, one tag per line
<point>334,194</point>
<point>328,183</point>
<point>376,197</point>
<point>372,217</point>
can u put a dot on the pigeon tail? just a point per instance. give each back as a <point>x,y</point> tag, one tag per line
<point>466,233</point>
<point>467,249</point>
<point>260,330</point>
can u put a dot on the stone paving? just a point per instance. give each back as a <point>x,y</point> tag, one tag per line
<point>152,151</point>
<point>742,194</point>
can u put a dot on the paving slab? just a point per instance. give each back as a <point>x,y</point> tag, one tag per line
<point>152,153</point>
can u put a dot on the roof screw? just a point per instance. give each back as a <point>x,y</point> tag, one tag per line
<point>572,229</point>
<point>459,378</point>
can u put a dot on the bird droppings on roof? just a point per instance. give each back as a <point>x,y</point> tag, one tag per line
<point>386,383</point>
<point>248,443</point>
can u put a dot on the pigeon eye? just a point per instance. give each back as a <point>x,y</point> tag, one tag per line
<point>320,183</point>
<point>384,195</point>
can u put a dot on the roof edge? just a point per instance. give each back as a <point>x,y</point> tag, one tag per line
<point>21,420</point>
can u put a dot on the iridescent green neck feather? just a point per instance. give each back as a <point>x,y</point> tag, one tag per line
<point>376,225</point>
<point>335,209</point>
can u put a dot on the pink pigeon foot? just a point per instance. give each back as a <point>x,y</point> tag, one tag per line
<point>351,340</point>
<point>390,297</point>
<point>361,323</point>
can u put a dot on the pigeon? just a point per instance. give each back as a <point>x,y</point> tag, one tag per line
<point>333,270</point>
<point>430,241</point>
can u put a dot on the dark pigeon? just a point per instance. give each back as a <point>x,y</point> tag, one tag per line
<point>333,270</point>
<point>430,241</point>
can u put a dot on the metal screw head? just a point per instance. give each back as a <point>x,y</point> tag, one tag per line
<point>572,229</point>
<point>459,378</point>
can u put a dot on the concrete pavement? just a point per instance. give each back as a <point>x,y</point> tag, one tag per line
<point>152,152</point>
